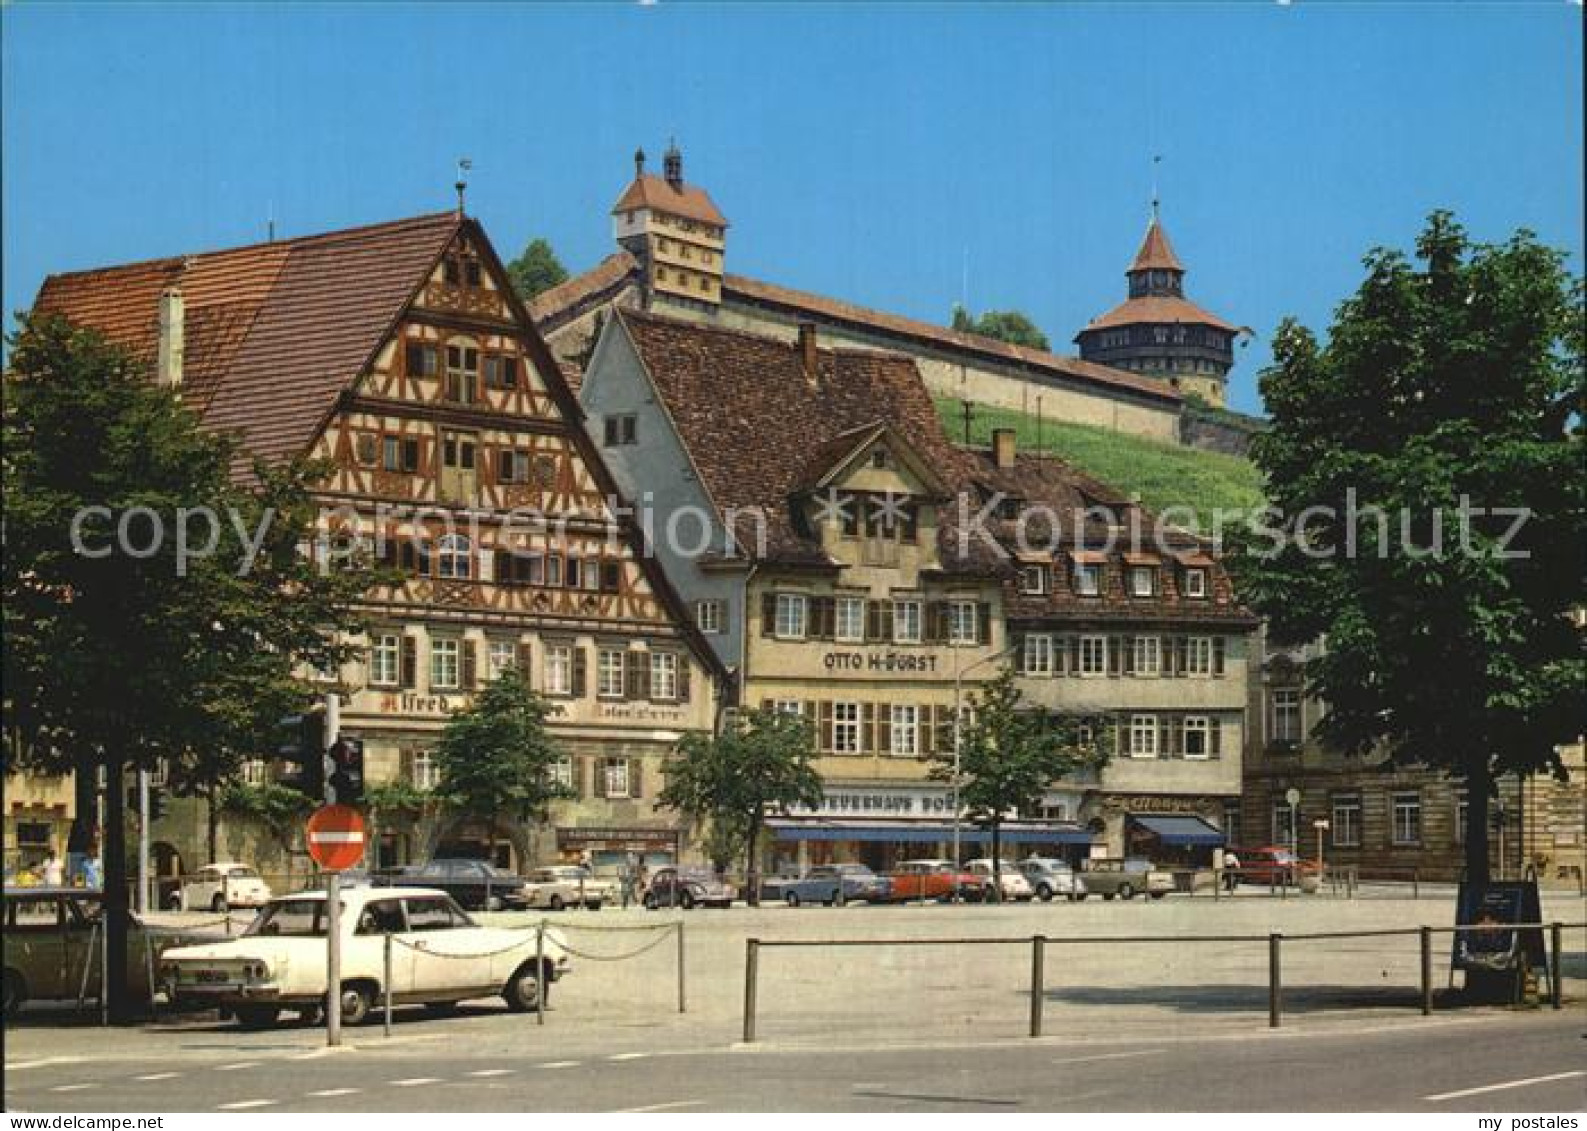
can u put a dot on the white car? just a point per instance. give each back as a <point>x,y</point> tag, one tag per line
<point>1049,876</point>
<point>217,887</point>
<point>439,956</point>
<point>1012,883</point>
<point>566,885</point>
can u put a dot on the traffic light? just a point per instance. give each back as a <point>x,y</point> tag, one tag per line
<point>300,743</point>
<point>344,768</point>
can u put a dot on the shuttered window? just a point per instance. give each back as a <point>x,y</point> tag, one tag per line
<point>609,673</point>
<point>906,622</point>
<point>846,728</point>
<point>445,665</point>
<point>385,659</point>
<point>664,675</point>
<point>559,669</point>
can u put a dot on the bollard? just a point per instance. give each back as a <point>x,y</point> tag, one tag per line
<point>1038,957</point>
<point>1427,971</point>
<point>1554,991</point>
<point>385,979</point>
<point>1416,883</point>
<point>1274,985</point>
<point>682,1002</point>
<point>540,973</point>
<point>751,973</point>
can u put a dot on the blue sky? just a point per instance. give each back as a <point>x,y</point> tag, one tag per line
<point>865,152</point>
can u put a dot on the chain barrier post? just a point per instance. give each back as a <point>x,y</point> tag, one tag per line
<point>1274,985</point>
<point>751,974</point>
<point>1427,971</point>
<point>1038,956</point>
<point>386,981</point>
<point>540,973</point>
<point>1554,992</point>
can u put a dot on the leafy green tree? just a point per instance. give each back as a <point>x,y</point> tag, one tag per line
<point>1447,384</point>
<point>495,756</point>
<point>1009,756</point>
<point>1005,325</point>
<point>732,781</point>
<point>122,650</point>
<point>538,269</point>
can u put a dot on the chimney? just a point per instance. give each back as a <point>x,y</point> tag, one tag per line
<point>672,166</point>
<point>809,359</point>
<point>639,163</point>
<point>1003,447</point>
<point>168,366</point>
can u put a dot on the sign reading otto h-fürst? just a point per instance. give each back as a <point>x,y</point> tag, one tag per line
<point>874,662</point>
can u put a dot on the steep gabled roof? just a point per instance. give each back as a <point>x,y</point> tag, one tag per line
<point>657,193</point>
<point>273,332</point>
<point>1156,253</point>
<point>551,307</point>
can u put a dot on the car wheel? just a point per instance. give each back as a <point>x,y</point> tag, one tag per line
<point>1158,894</point>
<point>649,901</point>
<point>1044,893</point>
<point>686,900</point>
<point>1126,891</point>
<point>555,902</point>
<point>218,904</point>
<point>358,1002</point>
<point>256,1016</point>
<point>593,905</point>
<point>791,899</point>
<point>1079,896</point>
<point>1107,895</point>
<point>522,992</point>
<point>16,992</point>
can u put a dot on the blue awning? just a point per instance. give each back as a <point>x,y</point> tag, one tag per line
<point>922,833</point>
<point>1183,831</point>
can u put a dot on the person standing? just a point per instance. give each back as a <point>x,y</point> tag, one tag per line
<point>54,871</point>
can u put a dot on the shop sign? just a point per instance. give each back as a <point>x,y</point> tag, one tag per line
<point>641,712</point>
<point>1162,803</point>
<point>627,837</point>
<point>881,802</point>
<point>880,663</point>
<point>409,703</point>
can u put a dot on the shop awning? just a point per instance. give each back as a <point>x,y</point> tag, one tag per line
<point>919,832</point>
<point>1185,831</point>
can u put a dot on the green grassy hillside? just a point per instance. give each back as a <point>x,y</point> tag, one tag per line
<point>1161,474</point>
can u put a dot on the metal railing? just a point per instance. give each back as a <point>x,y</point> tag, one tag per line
<point>1275,949</point>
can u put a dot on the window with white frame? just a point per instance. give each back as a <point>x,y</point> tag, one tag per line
<point>1143,736</point>
<point>616,780</point>
<point>1283,824</point>
<point>1093,655</point>
<point>500,655</point>
<point>609,673</point>
<point>663,675</point>
<point>905,730</point>
<point>1038,655</point>
<point>906,622</point>
<point>454,557</point>
<point>559,669</point>
<point>1148,655</point>
<point>1195,582</point>
<point>1198,736</point>
<point>1033,579</point>
<point>845,728</point>
<point>1406,824</point>
<point>1345,821</point>
<point>788,707</point>
<point>385,659</point>
<point>1088,579</point>
<point>562,772</point>
<point>426,770</point>
<point>708,616</point>
<point>1286,714</point>
<point>1198,655</point>
<point>445,673</point>
<point>850,623</point>
<point>962,627</point>
<point>791,611</point>
<point>1143,581</point>
<point>255,771</point>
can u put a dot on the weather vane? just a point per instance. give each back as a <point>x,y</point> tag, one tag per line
<point>463,166</point>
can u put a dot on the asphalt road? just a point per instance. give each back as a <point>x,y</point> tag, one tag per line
<point>1531,1062</point>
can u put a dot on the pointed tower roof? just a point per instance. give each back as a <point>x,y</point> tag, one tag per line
<point>1156,252</point>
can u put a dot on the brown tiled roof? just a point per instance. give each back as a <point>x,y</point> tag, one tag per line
<point>551,307</point>
<point>650,191</point>
<point>1039,362</point>
<point>1158,309</point>
<point>751,421</point>
<point>273,332</point>
<point>1156,252</point>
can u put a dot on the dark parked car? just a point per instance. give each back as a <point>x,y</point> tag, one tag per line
<point>686,888</point>
<point>474,884</point>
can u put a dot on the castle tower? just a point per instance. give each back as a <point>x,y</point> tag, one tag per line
<point>1157,331</point>
<point>675,231</point>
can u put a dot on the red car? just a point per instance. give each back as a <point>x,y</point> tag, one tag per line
<point>1269,865</point>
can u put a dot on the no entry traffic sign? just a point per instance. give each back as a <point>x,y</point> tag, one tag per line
<point>336,837</point>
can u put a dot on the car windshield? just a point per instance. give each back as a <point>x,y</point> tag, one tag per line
<point>696,875</point>
<point>242,873</point>
<point>291,918</point>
